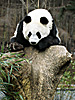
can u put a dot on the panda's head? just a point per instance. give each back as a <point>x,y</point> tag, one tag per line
<point>37,25</point>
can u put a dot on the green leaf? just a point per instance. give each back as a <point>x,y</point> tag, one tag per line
<point>3,73</point>
<point>11,69</point>
<point>27,61</point>
<point>13,77</point>
<point>74,78</point>
<point>21,97</point>
<point>5,83</point>
<point>8,78</point>
<point>73,67</point>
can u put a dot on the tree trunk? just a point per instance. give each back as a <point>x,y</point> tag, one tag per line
<point>40,72</point>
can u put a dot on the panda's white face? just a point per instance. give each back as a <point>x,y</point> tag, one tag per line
<point>37,25</point>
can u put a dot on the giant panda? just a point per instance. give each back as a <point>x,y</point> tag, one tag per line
<point>37,29</point>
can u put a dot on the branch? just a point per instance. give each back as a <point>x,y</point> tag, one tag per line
<point>23,3</point>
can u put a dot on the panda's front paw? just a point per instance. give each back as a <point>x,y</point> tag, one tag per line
<point>15,46</point>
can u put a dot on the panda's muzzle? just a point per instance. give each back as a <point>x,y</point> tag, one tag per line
<point>33,43</point>
<point>33,39</point>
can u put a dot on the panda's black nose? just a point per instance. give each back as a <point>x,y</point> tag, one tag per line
<point>33,43</point>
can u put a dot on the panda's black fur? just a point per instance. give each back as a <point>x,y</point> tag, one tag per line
<point>44,43</point>
<point>19,37</point>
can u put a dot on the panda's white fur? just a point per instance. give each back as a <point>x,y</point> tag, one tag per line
<point>32,31</point>
<point>35,26</point>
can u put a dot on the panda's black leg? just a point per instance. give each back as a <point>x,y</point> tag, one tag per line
<point>15,46</point>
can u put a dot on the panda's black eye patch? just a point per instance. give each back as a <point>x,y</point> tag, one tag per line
<point>27,19</point>
<point>29,34</point>
<point>44,20</point>
<point>38,34</point>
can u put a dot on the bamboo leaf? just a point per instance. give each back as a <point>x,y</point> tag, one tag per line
<point>8,78</point>
<point>21,97</point>
<point>11,69</point>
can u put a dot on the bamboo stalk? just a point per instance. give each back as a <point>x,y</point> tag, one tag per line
<point>27,6</point>
<point>45,3</point>
<point>38,3</point>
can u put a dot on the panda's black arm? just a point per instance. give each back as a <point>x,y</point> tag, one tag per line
<point>47,42</point>
<point>18,42</point>
<point>13,39</point>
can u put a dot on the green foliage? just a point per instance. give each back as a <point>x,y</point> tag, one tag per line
<point>2,48</point>
<point>68,77</point>
<point>71,6</point>
<point>6,77</point>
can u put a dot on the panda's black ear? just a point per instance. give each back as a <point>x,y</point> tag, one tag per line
<point>44,20</point>
<point>27,19</point>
